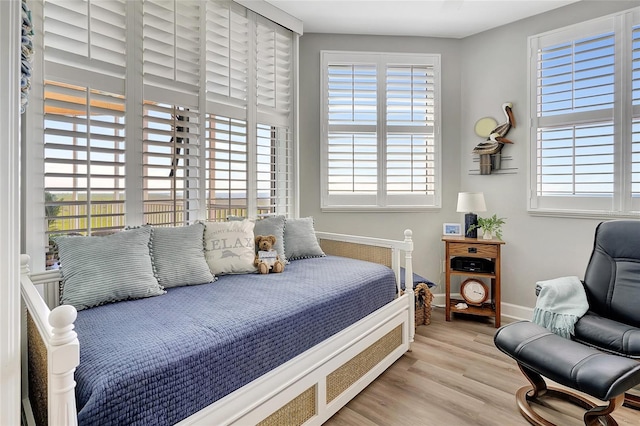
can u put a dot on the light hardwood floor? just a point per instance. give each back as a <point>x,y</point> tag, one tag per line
<point>453,376</point>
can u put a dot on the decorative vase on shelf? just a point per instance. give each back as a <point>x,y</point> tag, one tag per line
<point>487,235</point>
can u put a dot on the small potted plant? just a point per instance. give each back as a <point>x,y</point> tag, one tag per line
<point>491,226</point>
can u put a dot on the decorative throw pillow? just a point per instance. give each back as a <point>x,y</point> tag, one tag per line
<point>270,225</point>
<point>98,270</point>
<point>273,225</point>
<point>178,255</point>
<point>300,240</point>
<point>229,247</point>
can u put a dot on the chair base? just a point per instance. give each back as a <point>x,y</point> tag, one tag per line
<point>595,415</point>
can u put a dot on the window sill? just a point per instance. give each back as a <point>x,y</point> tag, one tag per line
<point>380,209</point>
<point>584,214</point>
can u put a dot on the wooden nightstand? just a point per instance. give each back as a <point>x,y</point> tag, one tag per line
<point>475,248</point>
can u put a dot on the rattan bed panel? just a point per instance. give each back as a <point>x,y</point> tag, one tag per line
<point>381,255</point>
<point>295,412</point>
<point>347,374</point>
<point>37,364</point>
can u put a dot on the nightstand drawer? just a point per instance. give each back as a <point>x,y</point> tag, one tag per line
<point>473,250</point>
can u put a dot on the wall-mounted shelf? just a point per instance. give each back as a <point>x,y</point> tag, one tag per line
<point>504,166</point>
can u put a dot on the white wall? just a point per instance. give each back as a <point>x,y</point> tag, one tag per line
<point>426,226</point>
<point>494,70</point>
<point>479,73</point>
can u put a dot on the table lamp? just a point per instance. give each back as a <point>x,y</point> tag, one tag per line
<point>469,202</point>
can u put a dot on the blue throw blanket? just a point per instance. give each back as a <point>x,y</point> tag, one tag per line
<point>561,303</point>
<point>158,360</point>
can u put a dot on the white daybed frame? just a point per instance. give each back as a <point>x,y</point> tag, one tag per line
<point>308,389</point>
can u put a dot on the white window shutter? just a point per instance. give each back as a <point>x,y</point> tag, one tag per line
<point>274,171</point>
<point>635,123</point>
<point>227,54</point>
<point>576,76</point>
<point>171,45</point>
<point>84,151</point>
<point>249,66</point>
<point>380,149</point>
<point>575,152</point>
<point>239,62</point>
<point>410,159</point>
<point>352,144</point>
<point>171,155</point>
<point>171,129</point>
<point>274,68</point>
<point>89,35</point>
<point>226,165</point>
<point>84,122</point>
<point>576,160</point>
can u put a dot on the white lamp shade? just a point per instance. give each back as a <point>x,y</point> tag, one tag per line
<point>471,202</point>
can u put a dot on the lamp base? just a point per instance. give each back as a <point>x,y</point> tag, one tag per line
<point>470,219</point>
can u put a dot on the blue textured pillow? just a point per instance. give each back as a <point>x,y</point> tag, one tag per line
<point>98,270</point>
<point>300,240</point>
<point>178,255</point>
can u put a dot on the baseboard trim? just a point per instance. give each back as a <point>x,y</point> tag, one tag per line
<point>509,310</point>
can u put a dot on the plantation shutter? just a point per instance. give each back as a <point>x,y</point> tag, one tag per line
<point>226,165</point>
<point>171,44</point>
<point>171,144</point>
<point>170,163</point>
<point>84,153</point>
<point>274,91</point>
<point>84,117</point>
<point>380,146</point>
<point>574,124</point>
<point>227,56</point>
<point>410,148</point>
<point>635,124</point>
<point>274,171</point>
<point>249,140</point>
<point>274,63</point>
<point>87,35</point>
<point>352,132</point>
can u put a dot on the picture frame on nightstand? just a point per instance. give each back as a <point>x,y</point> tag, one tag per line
<point>452,229</point>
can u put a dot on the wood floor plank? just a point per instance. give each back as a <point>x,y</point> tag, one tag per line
<point>454,376</point>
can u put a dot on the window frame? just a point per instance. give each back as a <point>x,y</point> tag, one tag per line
<point>621,202</point>
<point>382,200</point>
<point>170,91</point>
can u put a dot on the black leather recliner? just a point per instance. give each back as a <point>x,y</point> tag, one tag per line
<point>603,357</point>
<point>612,285</point>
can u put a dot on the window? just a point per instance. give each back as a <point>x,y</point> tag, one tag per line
<point>171,78</point>
<point>193,99</point>
<point>585,108</point>
<point>249,161</point>
<point>84,159</point>
<point>84,119</point>
<point>380,140</point>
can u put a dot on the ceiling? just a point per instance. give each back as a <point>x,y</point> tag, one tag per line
<point>427,18</point>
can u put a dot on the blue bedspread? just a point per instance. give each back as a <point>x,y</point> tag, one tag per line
<point>155,361</point>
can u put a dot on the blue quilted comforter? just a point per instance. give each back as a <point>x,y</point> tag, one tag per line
<point>158,360</point>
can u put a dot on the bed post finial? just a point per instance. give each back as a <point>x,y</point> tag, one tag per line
<point>64,357</point>
<point>24,264</point>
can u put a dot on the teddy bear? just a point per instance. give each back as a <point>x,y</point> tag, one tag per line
<point>267,258</point>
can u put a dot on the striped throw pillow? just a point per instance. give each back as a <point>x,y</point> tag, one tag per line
<point>99,270</point>
<point>178,255</point>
